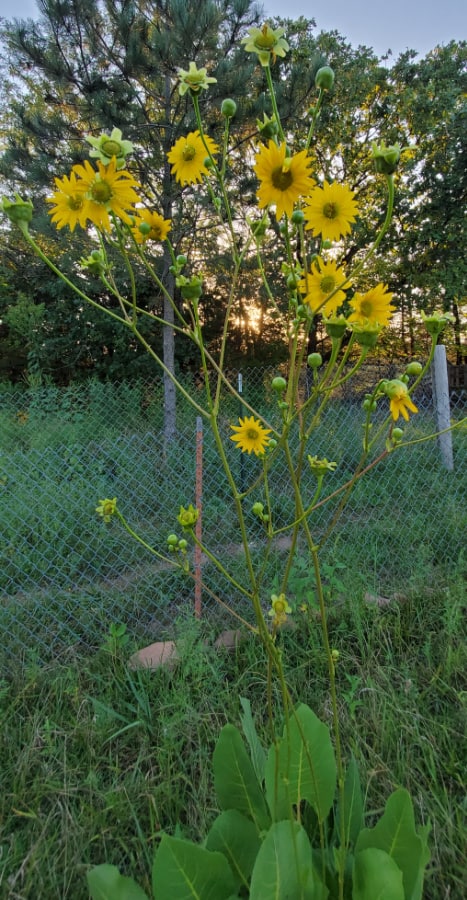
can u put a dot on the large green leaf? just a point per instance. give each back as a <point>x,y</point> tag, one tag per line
<point>186,871</point>
<point>283,868</point>
<point>106,883</point>
<point>237,838</point>
<point>302,767</point>
<point>258,756</point>
<point>376,877</point>
<point>237,786</point>
<point>353,805</point>
<point>395,833</point>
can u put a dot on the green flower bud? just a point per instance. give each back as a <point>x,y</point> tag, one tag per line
<point>298,217</point>
<point>18,211</point>
<point>292,281</point>
<point>257,509</point>
<point>414,369</point>
<point>327,244</point>
<point>320,467</point>
<point>181,259</point>
<point>268,128</point>
<point>279,384</point>
<point>95,263</point>
<point>228,108</point>
<point>367,335</point>
<point>172,540</point>
<point>397,434</point>
<point>315,360</point>
<point>334,655</point>
<point>182,545</point>
<point>144,228</point>
<point>385,158</point>
<point>191,288</point>
<point>324,78</point>
<point>436,323</point>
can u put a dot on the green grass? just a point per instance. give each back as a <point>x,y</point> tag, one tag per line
<point>97,760</point>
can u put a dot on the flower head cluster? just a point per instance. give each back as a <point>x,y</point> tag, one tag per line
<point>188,157</point>
<point>94,195</point>
<point>251,436</point>
<point>266,42</point>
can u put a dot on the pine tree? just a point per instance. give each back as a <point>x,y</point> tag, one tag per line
<point>92,65</point>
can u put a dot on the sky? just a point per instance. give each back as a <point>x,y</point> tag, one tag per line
<point>395,25</point>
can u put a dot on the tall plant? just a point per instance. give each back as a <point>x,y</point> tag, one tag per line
<point>292,819</point>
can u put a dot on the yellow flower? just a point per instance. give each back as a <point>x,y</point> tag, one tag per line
<point>280,609</point>
<point>70,203</point>
<point>266,42</point>
<point>188,157</point>
<point>108,145</point>
<point>106,191</point>
<point>331,211</point>
<point>107,508</point>
<point>251,436</point>
<point>374,307</point>
<point>154,226</point>
<point>188,517</point>
<point>284,179</point>
<point>321,281</point>
<point>193,79</point>
<point>399,399</point>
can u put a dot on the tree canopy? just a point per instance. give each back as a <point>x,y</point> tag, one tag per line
<point>91,65</point>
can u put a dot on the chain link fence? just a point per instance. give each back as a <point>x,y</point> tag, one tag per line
<point>66,576</point>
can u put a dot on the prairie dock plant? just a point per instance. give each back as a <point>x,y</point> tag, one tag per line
<point>292,820</point>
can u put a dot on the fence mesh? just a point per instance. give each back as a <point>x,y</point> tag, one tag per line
<point>66,575</point>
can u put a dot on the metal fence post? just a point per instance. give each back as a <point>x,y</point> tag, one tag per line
<point>442,405</point>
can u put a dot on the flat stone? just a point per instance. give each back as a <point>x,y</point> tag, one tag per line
<point>161,653</point>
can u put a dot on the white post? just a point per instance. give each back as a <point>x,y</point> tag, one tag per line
<point>442,405</point>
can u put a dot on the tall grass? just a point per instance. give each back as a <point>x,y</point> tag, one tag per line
<point>97,760</point>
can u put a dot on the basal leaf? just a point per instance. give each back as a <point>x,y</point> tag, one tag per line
<point>106,883</point>
<point>258,756</point>
<point>283,868</point>
<point>353,804</point>
<point>186,871</point>
<point>237,838</point>
<point>395,833</point>
<point>376,877</point>
<point>302,767</point>
<point>237,786</point>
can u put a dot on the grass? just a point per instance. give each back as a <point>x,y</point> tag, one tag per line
<point>96,760</point>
